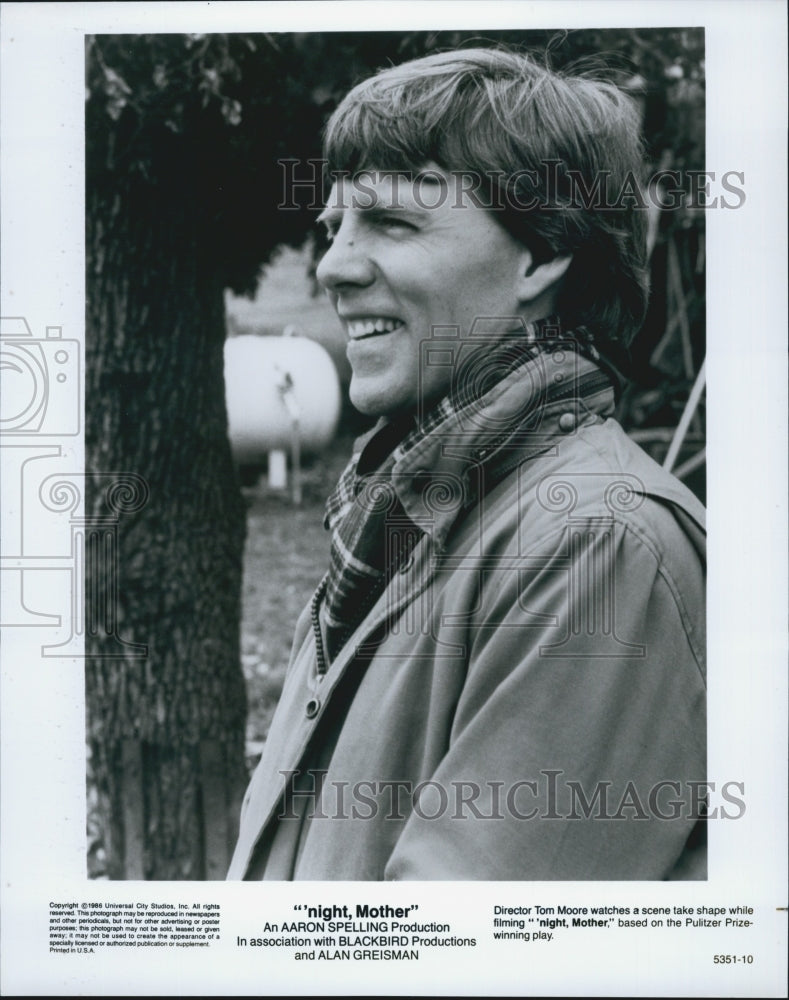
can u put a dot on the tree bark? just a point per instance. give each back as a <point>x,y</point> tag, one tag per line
<point>165,724</point>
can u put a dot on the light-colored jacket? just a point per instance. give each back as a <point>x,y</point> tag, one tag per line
<point>526,701</point>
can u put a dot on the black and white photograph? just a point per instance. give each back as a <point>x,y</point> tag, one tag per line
<point>373,397</point>
<point>507,624</point>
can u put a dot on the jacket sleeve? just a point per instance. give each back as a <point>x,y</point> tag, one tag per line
<point>578,745</point>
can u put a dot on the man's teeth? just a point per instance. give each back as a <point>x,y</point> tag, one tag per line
<point>366,327</point>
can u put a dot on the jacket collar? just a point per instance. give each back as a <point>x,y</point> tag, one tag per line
<point>523,415</point>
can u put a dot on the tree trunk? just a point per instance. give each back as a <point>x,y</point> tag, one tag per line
<point>165,696</point>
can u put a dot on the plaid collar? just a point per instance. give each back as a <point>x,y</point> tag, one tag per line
<point>407,479</point>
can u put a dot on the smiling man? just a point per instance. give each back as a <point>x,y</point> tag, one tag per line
<point>501,675</point>
<point>406,261</point>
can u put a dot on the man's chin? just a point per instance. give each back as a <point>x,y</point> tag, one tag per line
<point>384,401</point>
<point>379,404</point>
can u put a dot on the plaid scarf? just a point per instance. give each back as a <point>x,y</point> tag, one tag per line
<point>371,533</point>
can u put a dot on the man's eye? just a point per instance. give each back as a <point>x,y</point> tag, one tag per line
<point>395,222</point>
<point>386,222</point>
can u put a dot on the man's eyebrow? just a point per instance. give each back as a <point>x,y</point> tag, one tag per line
<point>379,210</point>
<point>428,176</point>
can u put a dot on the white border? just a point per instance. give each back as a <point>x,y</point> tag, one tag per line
<point>42,707</point>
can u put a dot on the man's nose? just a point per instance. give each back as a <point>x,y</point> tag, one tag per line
<point>345,263</point>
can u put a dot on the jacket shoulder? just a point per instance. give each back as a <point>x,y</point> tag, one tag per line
<point>597,471</point>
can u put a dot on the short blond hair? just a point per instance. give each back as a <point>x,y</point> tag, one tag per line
<point>504,116</point>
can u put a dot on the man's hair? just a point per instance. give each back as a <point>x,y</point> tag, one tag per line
<point>502,116</point>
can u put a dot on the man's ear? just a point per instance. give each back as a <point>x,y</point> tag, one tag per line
<point>537,279</point>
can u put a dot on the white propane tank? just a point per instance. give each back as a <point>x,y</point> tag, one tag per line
<point>269,381</point>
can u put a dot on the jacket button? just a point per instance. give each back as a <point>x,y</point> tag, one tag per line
<point>422,479</point>
<point>567,422</point>
<point>312,708</point>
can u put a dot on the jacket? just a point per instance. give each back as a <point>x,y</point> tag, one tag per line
<point>526,700</point>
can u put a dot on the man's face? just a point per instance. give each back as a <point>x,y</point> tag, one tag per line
<point>408,255</point>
